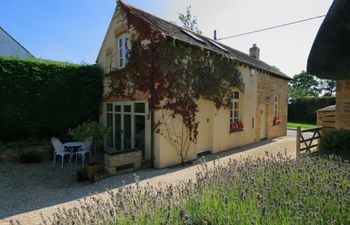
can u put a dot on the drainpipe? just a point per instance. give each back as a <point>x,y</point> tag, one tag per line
<point>151,105</point>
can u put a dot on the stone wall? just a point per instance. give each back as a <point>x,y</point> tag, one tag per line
<point>343,104</point>
<point>14,153</point>
<point>270,87</point>
<point>112,162</point>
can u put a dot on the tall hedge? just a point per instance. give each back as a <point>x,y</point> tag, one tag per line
<point>304,109</point>
<point>44,98</point>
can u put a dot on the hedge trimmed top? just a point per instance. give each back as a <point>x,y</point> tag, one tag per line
<point>43,98</point>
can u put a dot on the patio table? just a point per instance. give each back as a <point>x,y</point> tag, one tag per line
<point>72,147</point>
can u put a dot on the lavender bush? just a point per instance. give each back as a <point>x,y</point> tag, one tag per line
<point>276,190</point>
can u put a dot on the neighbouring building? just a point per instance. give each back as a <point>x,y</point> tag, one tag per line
<point>330,57</point>
<point>261,108</point>
<point>9,47</point>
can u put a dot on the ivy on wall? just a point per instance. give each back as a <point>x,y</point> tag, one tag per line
<point>173,74</point>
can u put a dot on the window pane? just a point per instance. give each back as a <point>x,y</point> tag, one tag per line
<point>109,107</point>
<point>236,105</point>
<point>127,132</point>
<point>109,124</point>
<point>140,133</point>
<point>236,95</point>
<point>139,107</point>
<point>236,113</point>
<point>118,132</point>
<point>127,108</point>
<point>117,108</point>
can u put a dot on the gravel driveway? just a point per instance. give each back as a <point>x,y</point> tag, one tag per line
<point>26,191</point>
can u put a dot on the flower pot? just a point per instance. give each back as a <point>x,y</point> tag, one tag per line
<point>92,170</point>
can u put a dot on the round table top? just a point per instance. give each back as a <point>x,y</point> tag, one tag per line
<point>72,144</point>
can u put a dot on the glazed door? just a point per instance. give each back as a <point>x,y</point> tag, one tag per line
<point>128,124</point>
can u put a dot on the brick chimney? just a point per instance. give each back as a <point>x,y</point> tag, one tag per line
<point>254,52</point>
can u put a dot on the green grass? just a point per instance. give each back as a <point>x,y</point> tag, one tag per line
<point>310,190</point>
<point>302,125</point>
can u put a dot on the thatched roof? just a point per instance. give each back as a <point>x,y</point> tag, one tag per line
<point>330,54</point>
<point>176,32</point>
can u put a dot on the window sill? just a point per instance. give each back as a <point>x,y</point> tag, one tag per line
<point>276,124</point>
<point>236,130</point>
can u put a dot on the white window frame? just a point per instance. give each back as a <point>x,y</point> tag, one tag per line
<point>122,113</point>
<point>236,107</point>
<point>276,107</point>
<point>122,51</point>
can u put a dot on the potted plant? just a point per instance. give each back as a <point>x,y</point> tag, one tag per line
<point>97,131</point>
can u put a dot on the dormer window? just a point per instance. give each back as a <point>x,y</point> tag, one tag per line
<point>122,51</point>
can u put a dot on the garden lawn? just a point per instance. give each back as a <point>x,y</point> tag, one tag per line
<point>302,125</point>
<point>311,190</point>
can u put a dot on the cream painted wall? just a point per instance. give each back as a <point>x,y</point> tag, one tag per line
<point>222,138</point>
<point>165,154</point>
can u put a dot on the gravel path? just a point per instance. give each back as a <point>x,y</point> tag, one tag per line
<point>27,191</point>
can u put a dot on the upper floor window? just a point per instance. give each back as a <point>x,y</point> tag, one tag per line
<point>122,51</point>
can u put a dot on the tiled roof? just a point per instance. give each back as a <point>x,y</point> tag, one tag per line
<point>172,30</point>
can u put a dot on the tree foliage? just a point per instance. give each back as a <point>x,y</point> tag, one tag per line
<point>188,21</point>
<point>307,85</point>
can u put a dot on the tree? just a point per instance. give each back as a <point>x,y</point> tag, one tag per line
<point>188,21</point>
<point>303,85</point>
<point>328,87</point>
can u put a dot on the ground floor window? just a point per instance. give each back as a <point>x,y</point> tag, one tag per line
<point>128,124</point>
<point>276,119</point>
<point>236,112</point>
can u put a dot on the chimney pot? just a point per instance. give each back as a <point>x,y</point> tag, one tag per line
<point>215,36</point>
<point>254,52</point>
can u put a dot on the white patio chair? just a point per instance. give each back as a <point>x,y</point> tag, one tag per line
<point>59,151</point>
<point>84,149</point>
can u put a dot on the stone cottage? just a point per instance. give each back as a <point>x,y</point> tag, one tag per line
<point>259,112</point>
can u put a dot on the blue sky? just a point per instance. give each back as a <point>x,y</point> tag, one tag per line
<point>67,30</point>
<point>73,30</point>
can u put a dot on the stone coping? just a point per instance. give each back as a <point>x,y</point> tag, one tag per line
<point>111,151</point>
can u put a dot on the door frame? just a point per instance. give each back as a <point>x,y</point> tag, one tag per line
<point>263,121</point>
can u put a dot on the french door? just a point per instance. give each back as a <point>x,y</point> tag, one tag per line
<point>127,120</point>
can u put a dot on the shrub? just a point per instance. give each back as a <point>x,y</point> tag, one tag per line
<point>336,142</point>
<point>304,109</point>
<point>93,130</point>
<point>82,175</point>
<point>43,98</point>
<point>31,157</point>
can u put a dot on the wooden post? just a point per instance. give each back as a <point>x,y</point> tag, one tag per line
<point>298,142</point>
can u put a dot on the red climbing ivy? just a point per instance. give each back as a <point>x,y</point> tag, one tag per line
<point>173,74</point>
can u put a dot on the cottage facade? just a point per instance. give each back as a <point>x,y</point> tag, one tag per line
<point>261,108</point>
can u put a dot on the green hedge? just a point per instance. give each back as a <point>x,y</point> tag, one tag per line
<point>336,142</point>
<point>304,109</point>
<point>44,98</point>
